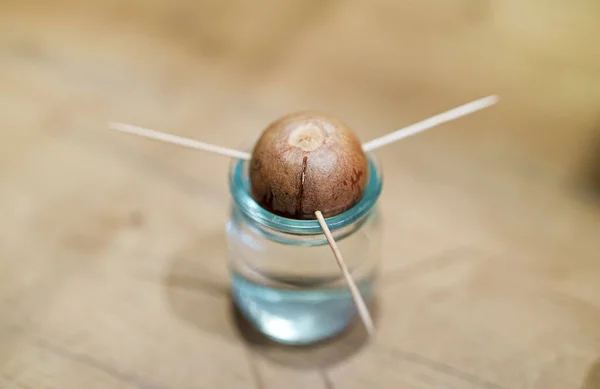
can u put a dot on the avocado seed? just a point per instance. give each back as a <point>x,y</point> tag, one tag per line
<point>305,162</point>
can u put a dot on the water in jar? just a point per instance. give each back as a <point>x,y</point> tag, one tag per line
<point>293,291</point>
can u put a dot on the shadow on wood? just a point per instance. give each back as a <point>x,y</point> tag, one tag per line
<point>592,380</point>
<point>197,287</point>
<point>588,177</point>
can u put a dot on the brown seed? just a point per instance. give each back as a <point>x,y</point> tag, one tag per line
<point>306,162</point>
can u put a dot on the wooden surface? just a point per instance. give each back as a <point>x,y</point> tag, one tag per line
<point>112,259</point>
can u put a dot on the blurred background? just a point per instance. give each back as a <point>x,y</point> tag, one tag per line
<point>112,258</point>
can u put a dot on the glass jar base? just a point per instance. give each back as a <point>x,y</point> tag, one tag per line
<point>296,317</point>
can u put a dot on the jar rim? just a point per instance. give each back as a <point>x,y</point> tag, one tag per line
<point>239,188</point>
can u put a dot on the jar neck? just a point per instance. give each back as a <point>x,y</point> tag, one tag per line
<point>305,239</point>
<point>302,231</point>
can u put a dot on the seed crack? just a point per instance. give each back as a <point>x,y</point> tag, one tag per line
<point>301,190</point>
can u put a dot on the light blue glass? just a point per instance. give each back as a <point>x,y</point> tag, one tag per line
<point>284,278</point>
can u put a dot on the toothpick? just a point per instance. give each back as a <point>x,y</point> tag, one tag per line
<point>174,139</point>
<point>433,121</point>
<point>358,300</point>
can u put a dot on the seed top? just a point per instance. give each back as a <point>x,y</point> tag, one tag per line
<point>307,161</point>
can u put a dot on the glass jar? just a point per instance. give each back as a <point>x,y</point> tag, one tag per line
<point>284,278</point>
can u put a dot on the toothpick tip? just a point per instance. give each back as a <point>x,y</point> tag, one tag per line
<point>124,127</point>
<point>492,99</point>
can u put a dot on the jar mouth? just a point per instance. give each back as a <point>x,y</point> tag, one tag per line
<point>239,187</point>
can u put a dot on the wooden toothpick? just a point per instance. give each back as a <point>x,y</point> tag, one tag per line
<point>174,139</point>
<point>358,300</point>
<point>433,121</point>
